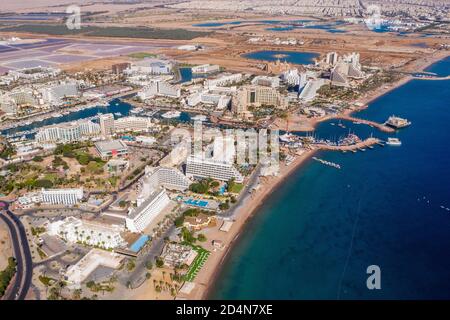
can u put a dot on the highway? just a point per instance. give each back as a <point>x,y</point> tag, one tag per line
<point>22,281</point>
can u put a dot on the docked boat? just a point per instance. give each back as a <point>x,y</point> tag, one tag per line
<point>397,122</point>
<point>394,142</point>
<point>199,117</point>
<point>136,110</point>
<point>287,137</point>
<point>171,114</point>
<point>117,114</point>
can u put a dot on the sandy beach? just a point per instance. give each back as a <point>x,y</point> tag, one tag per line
<point>211,269</point>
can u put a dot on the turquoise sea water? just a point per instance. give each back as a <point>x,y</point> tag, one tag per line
<point>317,234</point>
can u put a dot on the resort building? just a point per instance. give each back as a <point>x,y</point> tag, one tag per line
<point>223,80</point>
<point>331,58</point>
<point>205,68</point>
<point>54,95</point>
<point>273,82</point>
<point>151,66</point>
<point>92,233</point>
<point>260,95</point>
<point>149,205</point>
<point>62,196</point>
<point>68,132</point>
<point>205,97</point>
<point>219,167</point>
<point>132,123</point>
<point>107,124</point>
<point>293,78</point>
<point>95,258</point>
<point>159,88</point>
<point>169,178</point>
<point>310,90</point>
<point>111,148</point>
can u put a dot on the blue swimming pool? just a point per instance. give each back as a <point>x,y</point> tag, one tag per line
<point>197,203</point>
<point>139,243</point>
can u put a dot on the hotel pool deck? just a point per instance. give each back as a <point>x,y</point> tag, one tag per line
<point>198,203</point>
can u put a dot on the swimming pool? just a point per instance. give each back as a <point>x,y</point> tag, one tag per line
<point>139,243</point>
<point>197,203</point>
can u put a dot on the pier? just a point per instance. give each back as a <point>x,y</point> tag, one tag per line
<point>360,146</point>
<point>379,126</point>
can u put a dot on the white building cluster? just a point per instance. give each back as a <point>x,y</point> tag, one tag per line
<point>216,162</point>
<point>159,88</point>
<point>92,233</point>
<point>109,126</point>
<point>68,132</point>
<point>66,197</point>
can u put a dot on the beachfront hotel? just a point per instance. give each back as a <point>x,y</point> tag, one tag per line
<point>169,178</point>
<point>150,204</point>
<point>217,162</point>
<point>62,196</point>
<point>198,167</point>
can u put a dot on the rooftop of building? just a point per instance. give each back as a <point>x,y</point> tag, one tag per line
<point>110,145</point>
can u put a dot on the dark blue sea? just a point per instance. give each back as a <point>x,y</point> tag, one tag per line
<point>317,234</point>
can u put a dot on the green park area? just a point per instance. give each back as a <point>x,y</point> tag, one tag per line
<point>197,264</point>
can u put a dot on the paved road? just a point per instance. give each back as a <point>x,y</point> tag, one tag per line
<point>22,254</point>
<point>251,183</point>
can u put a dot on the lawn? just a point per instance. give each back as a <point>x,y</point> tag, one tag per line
<point>236,187</point>
<point>197,264</point>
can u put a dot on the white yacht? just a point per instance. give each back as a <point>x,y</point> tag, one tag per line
<point>171,114</point>
<point>394,142</point>
<point>199,117</point>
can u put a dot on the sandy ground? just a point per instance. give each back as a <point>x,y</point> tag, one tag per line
<point>5,246</point>
<point>147,290</point>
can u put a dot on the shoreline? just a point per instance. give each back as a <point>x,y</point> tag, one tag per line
<point>212,268</point>
<point>370,97</point>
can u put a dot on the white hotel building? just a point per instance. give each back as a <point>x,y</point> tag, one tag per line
<point>169,178</point>
<point>68,132</point>
<point>148,208</point>
<point>62,196</point>
<point>132,123</point>
<point>219,166</point>
<point>223,80</point>
<point>159,88</point>
<point>209,168</point>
